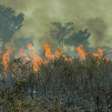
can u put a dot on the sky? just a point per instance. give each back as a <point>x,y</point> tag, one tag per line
<point>40,13</point>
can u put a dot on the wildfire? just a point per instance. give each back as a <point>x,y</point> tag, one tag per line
<point>48,52</point>
<point>99,53</point>
<point>81,52</point>
<point>6,60</point>
<point>36,61</point>
<point>58,53</point>
<point>35,58</point>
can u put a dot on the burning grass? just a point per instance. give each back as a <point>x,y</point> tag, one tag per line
<point>57,82</point>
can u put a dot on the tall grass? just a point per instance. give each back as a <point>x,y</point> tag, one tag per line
<point>80,86</point>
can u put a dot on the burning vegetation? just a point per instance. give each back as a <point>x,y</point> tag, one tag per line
<point>33,57</point>
<point>81,83</point>
<point>60,81</point>
<point>57,77</point>
<point>53,80</point>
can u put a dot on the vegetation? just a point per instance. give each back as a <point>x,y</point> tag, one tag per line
<point>60,86</point>
<point>10,22</point>
<point>66,34</point>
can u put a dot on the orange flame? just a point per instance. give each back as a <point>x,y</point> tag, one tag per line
<point>99,53</point>
<point>58,53</point>
<point>6,59</point>
<point>36,59</point>
<point>81,52</point>
<point>48,52</point>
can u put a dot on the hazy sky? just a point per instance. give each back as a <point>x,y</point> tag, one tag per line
<point>39,13</point>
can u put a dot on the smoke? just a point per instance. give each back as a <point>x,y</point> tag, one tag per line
<point>98,28</point>
<point>40,13</point>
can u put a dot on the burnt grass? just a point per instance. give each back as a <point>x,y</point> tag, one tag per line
<point>59,86</point>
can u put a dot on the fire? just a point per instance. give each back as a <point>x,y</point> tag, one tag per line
<point>58,53</point>
<point>30,46</point>
<point>6,60</point>
<point>35,58</point>
<point>99,53</point>
<point>81,52</point>
<point>48,52</point>
<point>36,61</point>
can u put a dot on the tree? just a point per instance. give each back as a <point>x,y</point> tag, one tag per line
<point>66,34</point>
<point>60,31</point>
<point>9,23</point>
<point>78,38</point>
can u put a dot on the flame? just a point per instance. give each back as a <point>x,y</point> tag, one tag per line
<point>58,53</point>
<point>99,54</point>
<point>81,52</point>
<point>36,61</point>
<point>48,52</point>
<point>6,60</point>
<point>30,46</point>
<point>35,58</point>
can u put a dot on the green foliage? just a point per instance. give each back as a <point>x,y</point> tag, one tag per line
<point>66,34</point>
<point>80,37</point>
<point>9,23</point>
<point>61,31</point>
